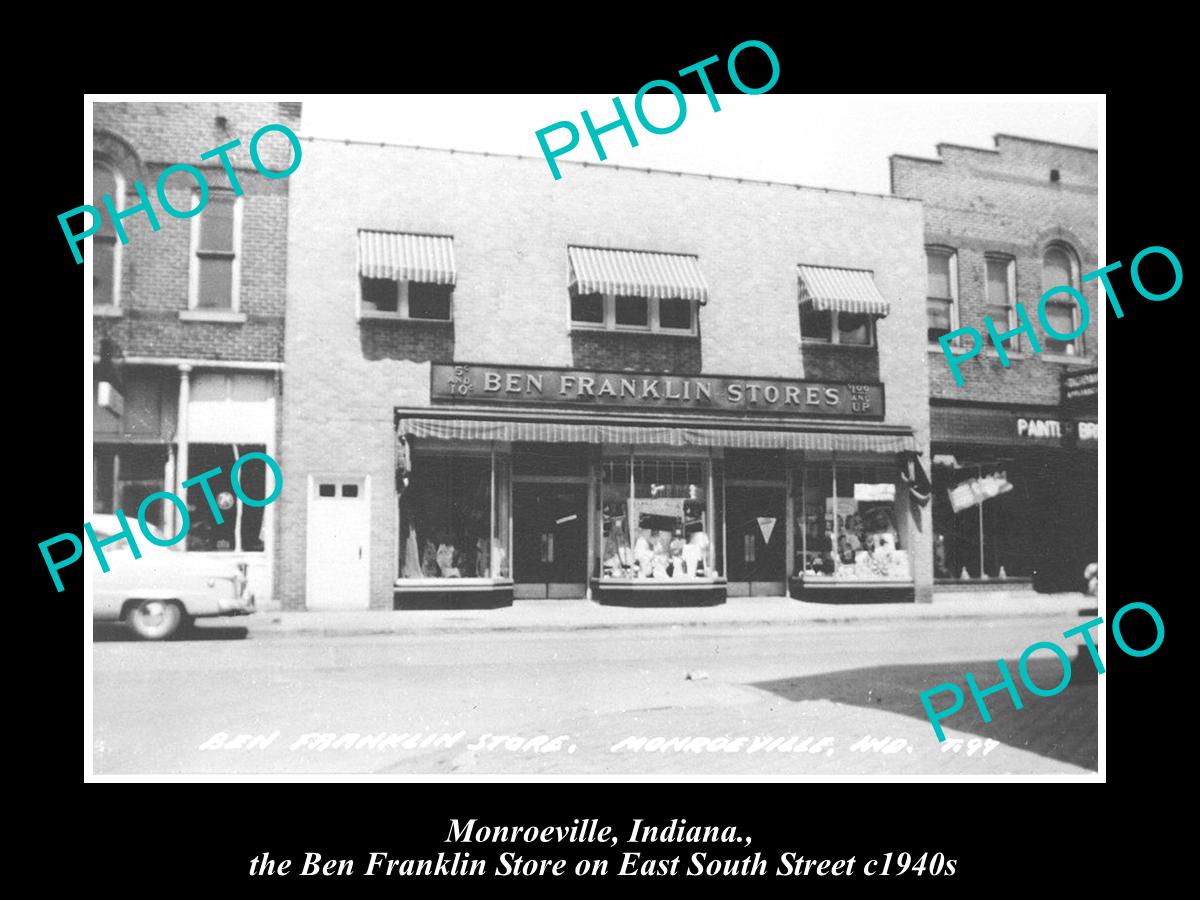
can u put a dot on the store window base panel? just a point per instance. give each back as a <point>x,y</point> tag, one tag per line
<point>461,596</point>
<point>616,592</point>
<point>851,592</point>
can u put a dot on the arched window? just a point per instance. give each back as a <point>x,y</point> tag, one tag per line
<point>1060,268</point>
<point>106,252</point>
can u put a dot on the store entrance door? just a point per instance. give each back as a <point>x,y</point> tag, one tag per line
<point>755,541</point>
<point>549,540</point>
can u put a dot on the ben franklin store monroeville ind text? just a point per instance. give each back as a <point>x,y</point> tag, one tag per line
<point>628,386</point>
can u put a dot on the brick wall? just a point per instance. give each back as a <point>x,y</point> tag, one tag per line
<point>511,224</point>
<point>142,139</point>
<point>1003,201</point>
<point>636,352</point>
<point>841,362</point>
<point>414,341</point>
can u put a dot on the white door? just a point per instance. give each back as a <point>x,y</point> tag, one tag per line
<point>339,528</point>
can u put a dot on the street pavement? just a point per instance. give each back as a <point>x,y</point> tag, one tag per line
<point>741,696</point>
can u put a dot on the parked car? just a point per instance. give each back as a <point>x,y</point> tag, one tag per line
<point>164,589</point>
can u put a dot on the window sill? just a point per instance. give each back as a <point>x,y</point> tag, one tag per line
<point>1056,358</point>
<point>644,332</point>
<point>804,344</point>
<point>396,317</point>
<point>425,583</point>
<point>212,315</point>
<point>851,581</point>
<point>108,312</point>
<point>1012,354</point>
<point>987,352</point>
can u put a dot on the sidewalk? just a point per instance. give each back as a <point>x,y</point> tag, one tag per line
<point>582,615</point>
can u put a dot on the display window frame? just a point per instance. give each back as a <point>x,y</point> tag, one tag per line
<point>840,571</point>
<point>499,518</point>
<point>658,560</point>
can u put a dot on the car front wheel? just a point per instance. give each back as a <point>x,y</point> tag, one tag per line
<point>155,620</point>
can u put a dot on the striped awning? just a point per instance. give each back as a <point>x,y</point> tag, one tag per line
<point>845,290</point>
<point>588,433</point>
<point>427,258</point>
<point>637,273</point>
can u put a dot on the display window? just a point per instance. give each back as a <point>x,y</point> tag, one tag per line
<point>846,518</point>
<point>454,518</point>
<point>656,519</point>
<point>126,475</point>
<point>986,518</point>
<point>241,525</point>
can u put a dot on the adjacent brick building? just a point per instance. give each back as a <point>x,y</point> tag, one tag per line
<point>188,320</point>
<point>635,386</point>
<point>1015,468</point>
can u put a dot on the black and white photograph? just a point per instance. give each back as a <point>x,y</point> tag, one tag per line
<point>706,431</point>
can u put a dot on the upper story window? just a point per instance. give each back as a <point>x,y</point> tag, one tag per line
<point>216,253</point>
<point>633,290</point>
<point>941,299</point>
<point>106,250</point>
<point>405,276</point>
<point>629,312</point>
<point>839,306</point>
<point>1060,267</point>
<point>835,326</point>
<point>1001,287</point>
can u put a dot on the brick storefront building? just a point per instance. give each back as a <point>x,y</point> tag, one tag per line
<point>1003,226</point>
<point>629,385</point>
<point>188,320</point>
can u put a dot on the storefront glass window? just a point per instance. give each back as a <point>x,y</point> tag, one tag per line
<point>501,539</point>
<point>983,521</point>
<point>125,476</point>
<point>448,526</point>
<point>241,526</point>
<point>655,519</point>
<point>846,523</point>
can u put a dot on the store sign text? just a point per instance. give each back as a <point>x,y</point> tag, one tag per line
<point>1053,429</point>
<point>499,384</point>
<point>1079,385</point>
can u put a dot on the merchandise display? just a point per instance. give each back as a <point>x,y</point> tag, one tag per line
<point>446,511</point>
<point>843,538</point>
<point>654,520</point>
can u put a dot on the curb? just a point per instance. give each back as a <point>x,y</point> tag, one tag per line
<point>414,629</point>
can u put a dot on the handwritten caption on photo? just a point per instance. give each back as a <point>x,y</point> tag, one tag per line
<point>381,742</point>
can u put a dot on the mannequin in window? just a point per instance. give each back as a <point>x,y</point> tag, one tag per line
<point>447,558</point>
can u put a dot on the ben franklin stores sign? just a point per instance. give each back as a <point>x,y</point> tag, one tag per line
<point>469,383</point>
